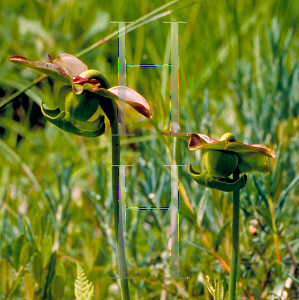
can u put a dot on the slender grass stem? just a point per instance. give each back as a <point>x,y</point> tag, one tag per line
<point>275,231</point>
<point>118,225</point>
<point>235,242</point>
<point>19,92</point>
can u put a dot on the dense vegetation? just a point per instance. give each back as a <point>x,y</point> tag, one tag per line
<point>238,73</point>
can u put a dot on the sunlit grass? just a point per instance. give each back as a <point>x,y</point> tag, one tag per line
<point>238,72</point>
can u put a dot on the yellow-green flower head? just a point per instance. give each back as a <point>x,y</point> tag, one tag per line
<point>85,91</point>
<point>220,159</point>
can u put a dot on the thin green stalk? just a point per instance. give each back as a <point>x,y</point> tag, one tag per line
<point>139,22</point>
<point>19,92</point>
<point>275,231</point>
<point>118,224</point>
<point>235,242</point>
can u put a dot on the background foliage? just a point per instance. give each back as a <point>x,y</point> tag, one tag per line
<point>238,73</point>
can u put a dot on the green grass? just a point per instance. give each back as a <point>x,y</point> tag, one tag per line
<point>238,73</point>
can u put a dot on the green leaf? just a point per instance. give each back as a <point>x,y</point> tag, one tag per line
<point>84,290</point>
<point>18,244</point>
<point>29,286</point>
<point>219,291</point>
<point>60,269</point>
<point>38,227</point>
<point>57,287</point>
<point>47,250</point>
<point>245,283</point>
<point>185,210</point>
<point>209,286</point>
<point>265,213</point>
<point>6,275</point>
<point>51,272</point>
<point>220,235</point>
<point>25,254</point>
<point>37,267</point>
<point>283,197</point>
<point>15,286</point>
<point>276,174</point>
<point>202,207</point>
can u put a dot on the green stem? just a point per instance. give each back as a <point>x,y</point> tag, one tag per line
<point>275,231</point>
<point>235,243</point>
<point>118,224</point>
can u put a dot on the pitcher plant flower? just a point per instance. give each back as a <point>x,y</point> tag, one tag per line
<point>220,159</point>
<point>85,91</point>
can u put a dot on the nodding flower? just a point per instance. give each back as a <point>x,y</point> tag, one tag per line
<point>220,159</point>
<point>85,91</point>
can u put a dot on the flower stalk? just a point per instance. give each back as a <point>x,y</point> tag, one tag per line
<point>118,224</point>
<point>85,91</point>
<point>220,160</point>
<point>235,242</point>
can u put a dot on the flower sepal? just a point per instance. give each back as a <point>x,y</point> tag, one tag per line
<point>63,120</point>
<point>63,67</point>
<point>222,184</point>
<point>127,95</point>
<point>86,90</point>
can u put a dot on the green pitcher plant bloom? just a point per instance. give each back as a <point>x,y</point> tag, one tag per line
<point>85,91</point>
<point>222,158</point>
